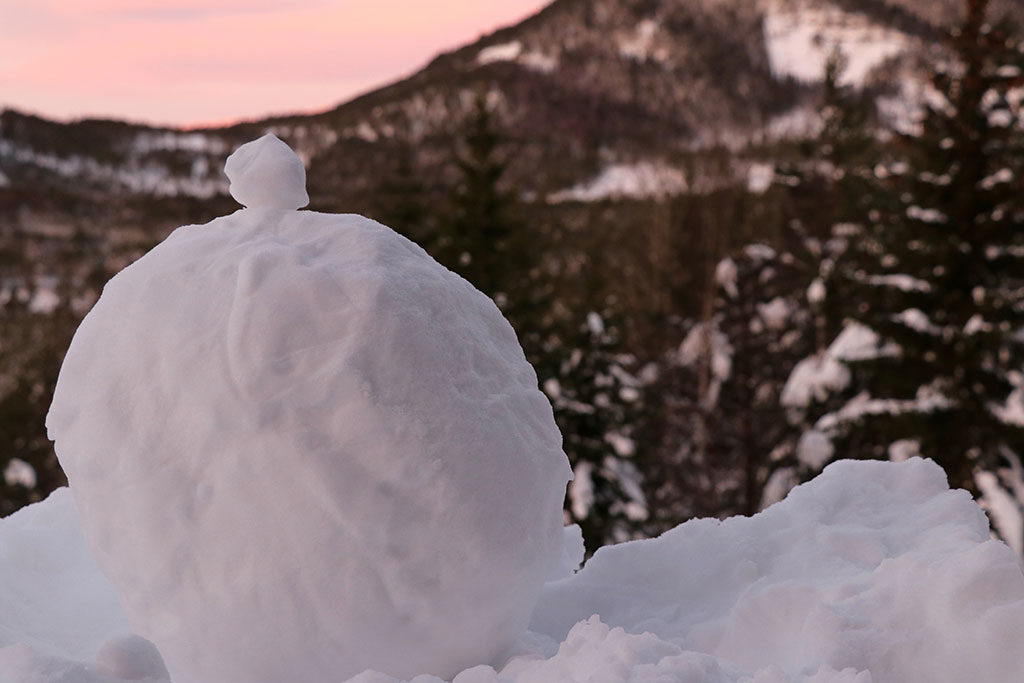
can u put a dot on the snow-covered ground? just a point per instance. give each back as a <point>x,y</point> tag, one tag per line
<point>872,573</point>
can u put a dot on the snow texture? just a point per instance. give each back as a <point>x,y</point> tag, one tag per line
<point>55,602</point>
<point>874,572</point>
<point>332,451</point>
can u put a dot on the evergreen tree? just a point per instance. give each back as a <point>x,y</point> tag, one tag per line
<point>745,391</point>
<point>403,200</point>
<point>728,447</point>
<point>596,396</point>
<point>33,348</point>
<point>940,271</point>
<point>579,360</point>
<point>484,240</point>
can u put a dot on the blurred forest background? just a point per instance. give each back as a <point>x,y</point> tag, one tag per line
<point>726,275</point>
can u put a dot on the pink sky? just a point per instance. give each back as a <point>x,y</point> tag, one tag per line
<point>189,62</point>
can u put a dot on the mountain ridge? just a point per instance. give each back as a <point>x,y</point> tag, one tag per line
<point>704,75</point>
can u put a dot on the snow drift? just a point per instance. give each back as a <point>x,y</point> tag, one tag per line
<point>872,573</point>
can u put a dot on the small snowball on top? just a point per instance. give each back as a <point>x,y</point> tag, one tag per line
<point>267,174</point>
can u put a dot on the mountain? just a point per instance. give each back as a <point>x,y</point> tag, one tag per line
<point>581,87</point>
<point>595,100</point>
<point>610,115</point>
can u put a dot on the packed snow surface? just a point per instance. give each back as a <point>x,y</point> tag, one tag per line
<point>301,448</point>
<point>874,572</point>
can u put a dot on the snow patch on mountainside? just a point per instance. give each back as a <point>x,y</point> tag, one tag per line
<point>800,41</point>
<point>503,52</point>
<point>147,142</point>
<point>514,52</point>
<point>142,176</point>
<point>640,180</point>
<point>639,45</point>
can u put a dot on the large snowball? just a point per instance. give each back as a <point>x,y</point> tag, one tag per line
<point>301,448</point>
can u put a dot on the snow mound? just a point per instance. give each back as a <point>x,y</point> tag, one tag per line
<point>52,599</point>
<point>301,448</point>
<point>874,572</point>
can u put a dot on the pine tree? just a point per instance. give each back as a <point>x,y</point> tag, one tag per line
<point>728,447</point>
<point>483,240</point>
<point>754,376</point>
<point>33,349</point>
<point>403,200</point>
<point>596,395</point>
<point>579,359</point>
<point>941,270</point>
<point>833,191</point>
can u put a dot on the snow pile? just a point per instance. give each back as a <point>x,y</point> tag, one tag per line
<point>301,448</point>
<point>874,572</point>
<point>54,599</point>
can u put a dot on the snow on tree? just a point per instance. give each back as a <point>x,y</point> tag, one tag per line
<point>727,445</point>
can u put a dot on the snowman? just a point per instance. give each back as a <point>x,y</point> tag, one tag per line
<point>301,448</point>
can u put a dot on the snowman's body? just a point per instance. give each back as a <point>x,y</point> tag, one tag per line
<point>301,448</point>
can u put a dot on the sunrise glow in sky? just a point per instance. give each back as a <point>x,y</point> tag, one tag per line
<point>194,62</point>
